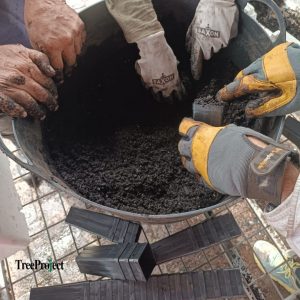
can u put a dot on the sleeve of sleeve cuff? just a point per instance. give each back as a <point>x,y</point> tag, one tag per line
<point>137,18</point>
<point>286,218</point>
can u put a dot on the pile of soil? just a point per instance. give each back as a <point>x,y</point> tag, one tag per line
<point>117,146</point>
<point>266,17</point>
<point>207,100</point>
<point>136,168</point>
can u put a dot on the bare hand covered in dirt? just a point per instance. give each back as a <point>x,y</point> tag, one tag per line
<point>215,23</point>
<point>245,170</point>
<point>56,30</point>
<point>158,68</point>
<point>25,82</point>
<point>275,77</point>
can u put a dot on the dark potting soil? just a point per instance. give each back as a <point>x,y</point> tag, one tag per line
<point>206,96</point>
<point>207,100</point>
<point>113,144</point>
<point>136,168</point>
<point>268,18</point>
<point>234,111</point>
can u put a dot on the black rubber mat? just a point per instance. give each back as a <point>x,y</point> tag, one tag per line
<point>111,228</point>
<point>192,239</point>
<point>217,284</point>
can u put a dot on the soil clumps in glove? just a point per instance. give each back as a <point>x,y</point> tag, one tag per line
<point>207,100</point>
<point>233,112</point>
<point>113,144</point>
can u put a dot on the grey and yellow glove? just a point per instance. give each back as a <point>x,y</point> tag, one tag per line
<point>276,76</point>
<point>230,163</point>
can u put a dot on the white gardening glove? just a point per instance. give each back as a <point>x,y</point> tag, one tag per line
<point>286,218</point>
<point>215,23</point>
<point>158,64</point>
<point>158,67</point>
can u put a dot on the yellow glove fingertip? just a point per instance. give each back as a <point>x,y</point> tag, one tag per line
<point>239,76</point>
<point>224,95</point>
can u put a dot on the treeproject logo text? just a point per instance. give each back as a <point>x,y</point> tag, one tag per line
<point>50,265</point>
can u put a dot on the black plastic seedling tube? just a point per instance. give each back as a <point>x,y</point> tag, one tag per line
<point>195,238</point>
<point>128,261</point>
<point>216,284</point>
<point>109,227</point>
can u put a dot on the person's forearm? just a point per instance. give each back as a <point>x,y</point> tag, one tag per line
<point>37,6</point>
<point>285,218</point>
<point>137,18</point>
<point>289,180</point>
<point>46,2</point>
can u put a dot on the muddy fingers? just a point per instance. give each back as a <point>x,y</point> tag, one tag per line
<point>63,40</point>
<point>42,62</point>
<point>29,104</point>
<point>35,73</point>
<point>25,82</point>
<point>11,108</point>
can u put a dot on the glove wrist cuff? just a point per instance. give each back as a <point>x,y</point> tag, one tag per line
<point>152,41</point>
<point>266,172</point>
<point>137,19</point>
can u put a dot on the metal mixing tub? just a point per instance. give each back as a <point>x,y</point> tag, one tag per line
<point>251,43</point>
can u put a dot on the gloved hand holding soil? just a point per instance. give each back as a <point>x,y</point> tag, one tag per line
<point>230,163</point>
<point>26,82</point>
<point>157,65</point>
<point>241,162</point>
<point>277,75</point>
<point>55,29</point>
<point>215,23</point>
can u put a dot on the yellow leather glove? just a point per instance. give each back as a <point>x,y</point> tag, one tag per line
<point>229,163</point>
<point>275,76</point>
